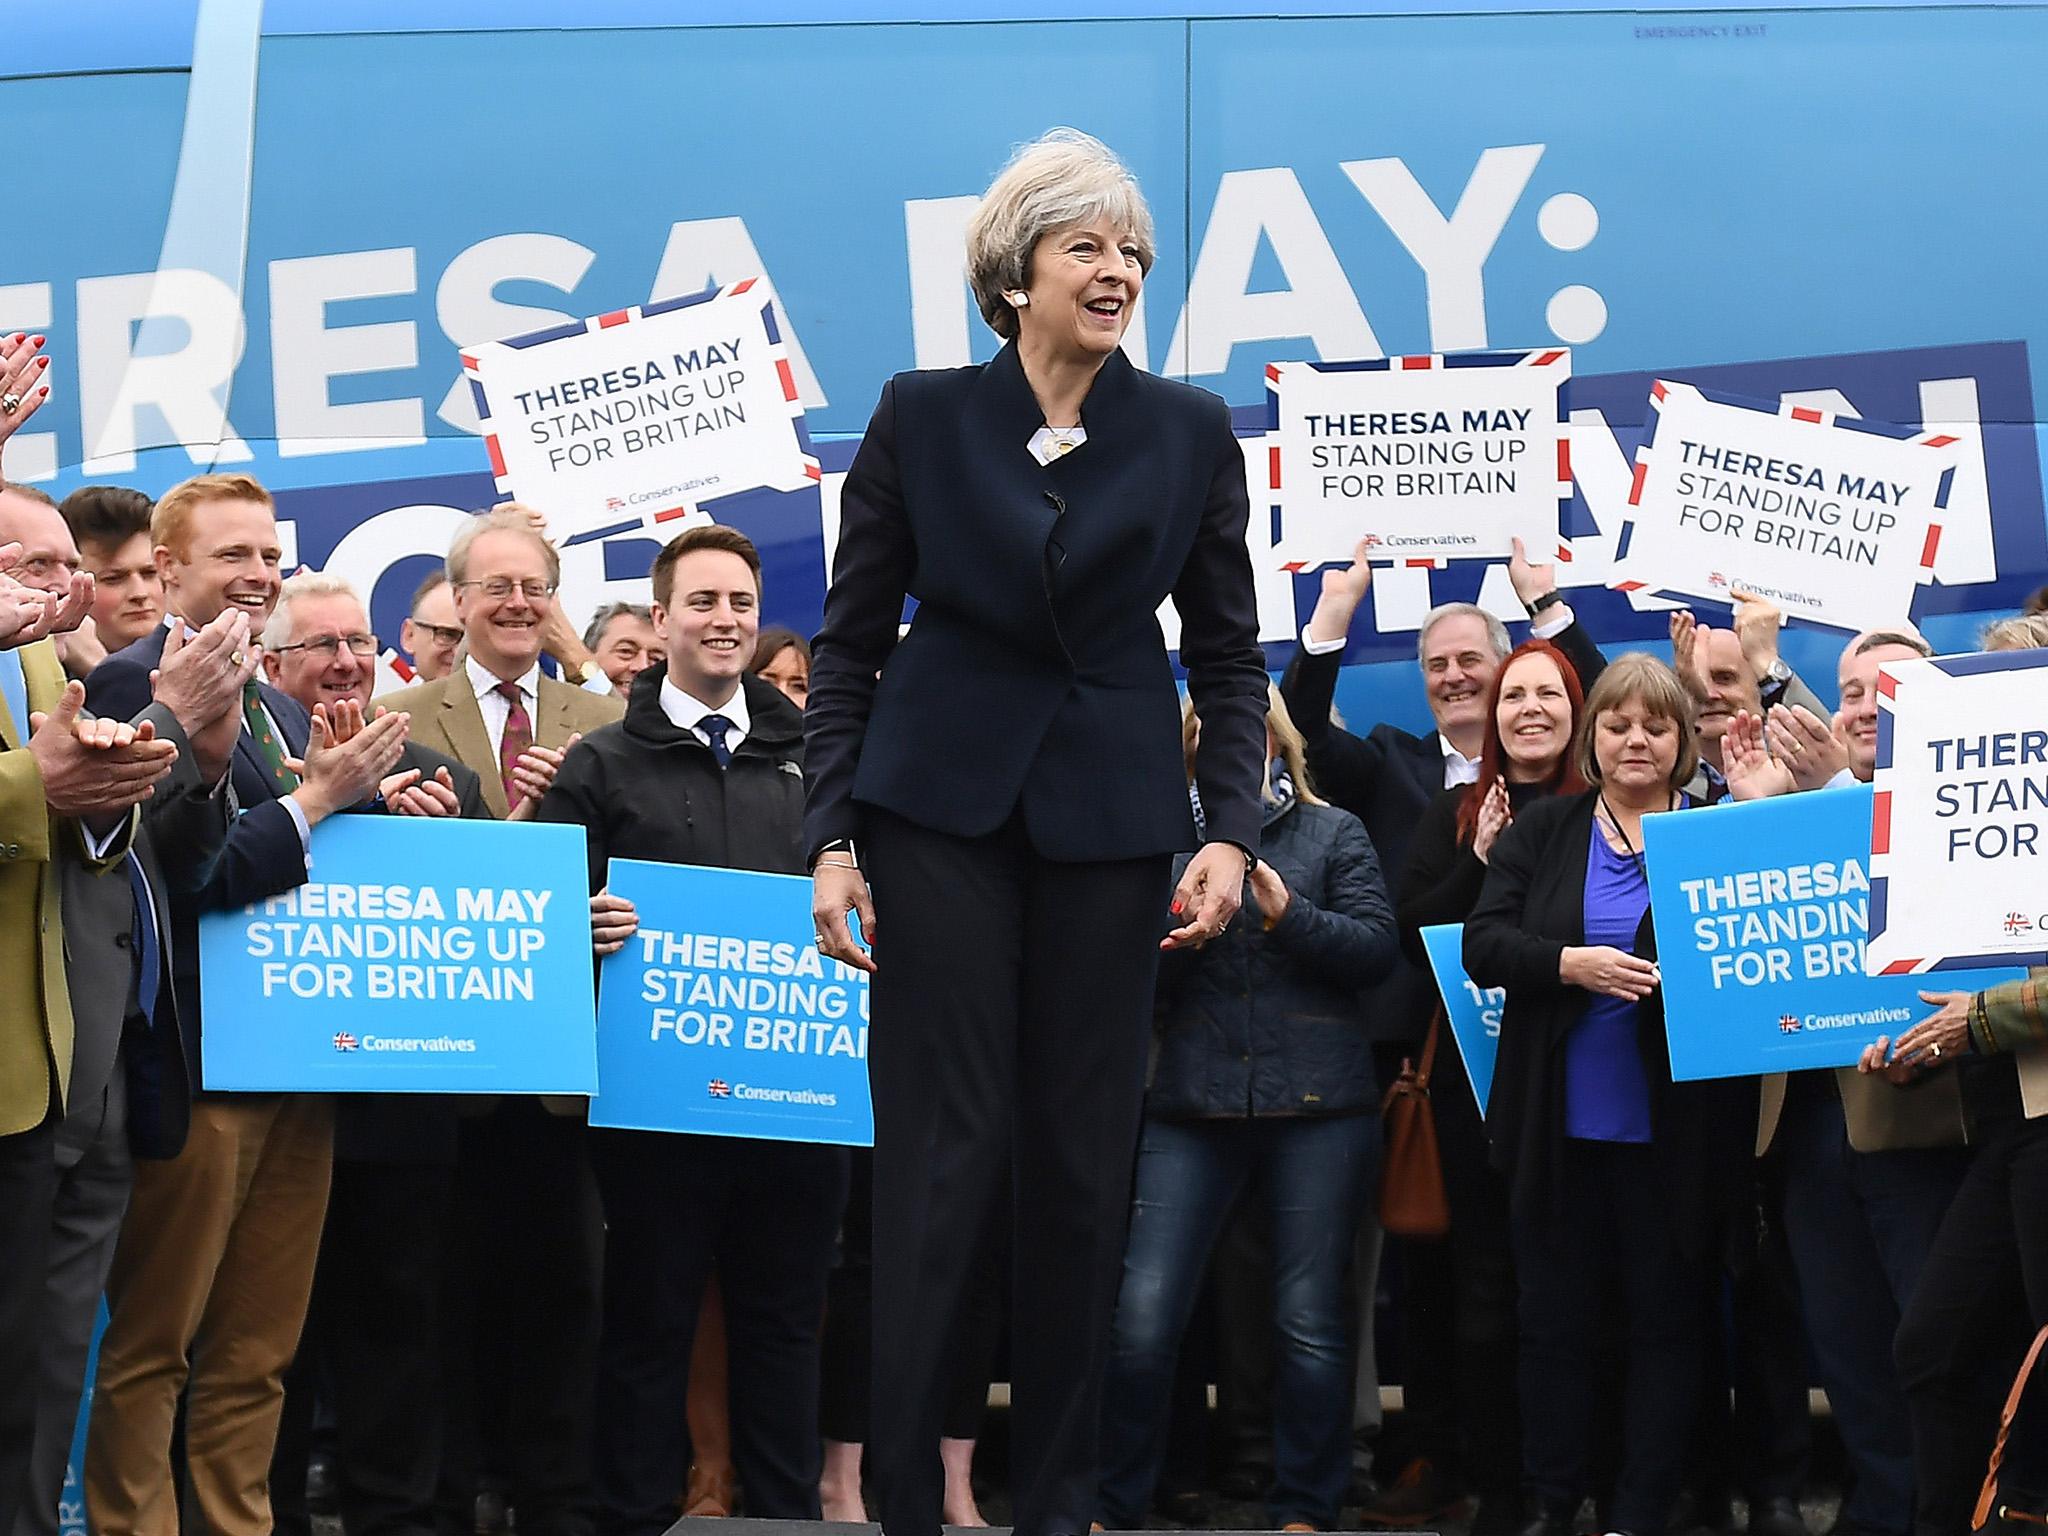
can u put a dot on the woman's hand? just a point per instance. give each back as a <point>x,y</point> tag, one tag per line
<point>1609,971</point>
<point>836,889</point>
<point>613,920</point>
<point>1210,891</point>
<point>1494,816</point>
<point>1934,1042</point>
<point>1270,892</point>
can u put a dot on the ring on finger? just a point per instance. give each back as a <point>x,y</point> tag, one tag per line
<point>10,402</point>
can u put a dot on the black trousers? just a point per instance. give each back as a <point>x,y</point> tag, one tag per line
<point>373,1343</point>
<point>522,1318</point>
<point>1609,1246</point>
<point>846,1390</point>
<point>765,1213</point>
<point>1983,1292</point>
<point>1012,1010</point>
<point>1760,1443</point>
<point>28,1191</point>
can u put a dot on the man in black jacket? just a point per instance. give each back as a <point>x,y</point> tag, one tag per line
<point>706,768</point>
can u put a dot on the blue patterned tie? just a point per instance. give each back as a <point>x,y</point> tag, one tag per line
<point>715,726</point>
<point>14,688</point>
<point>148,953</point>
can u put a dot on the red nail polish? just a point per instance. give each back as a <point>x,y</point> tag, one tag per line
<point>1177,908</point>
<point>36,341</point>
<point>43,362</point>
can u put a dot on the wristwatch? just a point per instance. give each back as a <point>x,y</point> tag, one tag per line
<point>1778,672</point>
<point>1549,599</point>
<point>584,673</point>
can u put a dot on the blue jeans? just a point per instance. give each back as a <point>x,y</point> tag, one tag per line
<point>1314,1175</point>
<point>1860,1226</point>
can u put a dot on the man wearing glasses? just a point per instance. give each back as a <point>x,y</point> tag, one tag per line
<point>431,634</point>
<point>373,1335</point>
<point>529,1234</point>
<point>496,711</point>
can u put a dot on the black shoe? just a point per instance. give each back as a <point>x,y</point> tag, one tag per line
<point>1421,1495</point>
<point>1700,1512</point>
<point>1192,1507</point>
<point>1244,1483</point>
<point>1776,1517</point>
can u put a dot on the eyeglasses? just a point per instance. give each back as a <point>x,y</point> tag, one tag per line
<point>498,588</point>
<point>440,634</point>
<point>330,646</point>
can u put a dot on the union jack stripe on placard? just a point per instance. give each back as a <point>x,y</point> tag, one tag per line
<point>1540,357</point>
<point>1915,676</point>
<point>778,356</point>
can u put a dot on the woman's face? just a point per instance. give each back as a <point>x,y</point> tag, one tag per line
<point>1084,287</point>
<point>1534,718</point>
<point>791,673</point>
<point>1636,749</point>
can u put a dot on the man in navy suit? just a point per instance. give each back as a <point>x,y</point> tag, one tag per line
<point>214,1266</point>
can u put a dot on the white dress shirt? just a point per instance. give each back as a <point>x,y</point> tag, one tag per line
<point>496,708</point>
<point>687,712</point>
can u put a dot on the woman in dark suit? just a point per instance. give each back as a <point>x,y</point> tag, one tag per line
<point>1614,1172</point>
<point>1012,787</point>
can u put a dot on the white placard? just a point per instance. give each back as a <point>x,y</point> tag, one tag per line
<point>1835,520</point>
<point>643,415</point>
<point>1959,822</point>
<point>1435,457</point>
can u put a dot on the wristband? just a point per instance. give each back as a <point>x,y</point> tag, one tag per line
<point>1549,599</point>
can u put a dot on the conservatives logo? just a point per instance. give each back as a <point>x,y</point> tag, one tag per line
<point>1788,1023</point>
<point>719,1088</point>
<point>2018,922</point>
<point>344,1042</point>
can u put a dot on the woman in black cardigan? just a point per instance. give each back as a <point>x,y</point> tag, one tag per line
<point>1613,1170</point>
<point>1535,704</point>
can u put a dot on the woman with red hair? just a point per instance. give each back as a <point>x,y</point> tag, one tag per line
<point>1534,709</point>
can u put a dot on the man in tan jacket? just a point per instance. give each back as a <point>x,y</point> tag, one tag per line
<point>529,1235</point>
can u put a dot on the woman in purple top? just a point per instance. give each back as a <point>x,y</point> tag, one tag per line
<point>1614,1171</point>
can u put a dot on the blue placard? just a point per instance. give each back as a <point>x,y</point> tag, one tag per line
<point>421,956</point>
<point>1761,911</point>
<point>721,1017</point>
<point>1473,1011</point>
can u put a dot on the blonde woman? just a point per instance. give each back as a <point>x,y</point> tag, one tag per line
<point>1009,777</point>
<point>1264,1077</point>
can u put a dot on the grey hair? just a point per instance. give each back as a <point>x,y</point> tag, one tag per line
<point>610,611</point>
<point>1496,632</point>
<point>1872,639</point>
<point>277,630</point>
<point>2027,632</point>
<point>506,517</point>
<point>1060,179</point>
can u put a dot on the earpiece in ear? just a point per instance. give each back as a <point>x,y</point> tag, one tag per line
<point>1018,298</point>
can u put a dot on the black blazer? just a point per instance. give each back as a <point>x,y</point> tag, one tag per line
<point>1035,675</point>
<point>1531,908</point>
<point>262,856</point>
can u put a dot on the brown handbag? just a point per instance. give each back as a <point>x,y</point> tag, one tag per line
<point>1412,1199</point>
<point>1987,1500</point>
